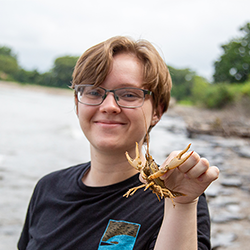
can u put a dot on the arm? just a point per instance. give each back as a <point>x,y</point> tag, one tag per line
<point>179,227</point>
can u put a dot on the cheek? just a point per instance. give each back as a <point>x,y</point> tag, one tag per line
<point>141,119</point>
<point>147,114</point>
<point>85,114</point>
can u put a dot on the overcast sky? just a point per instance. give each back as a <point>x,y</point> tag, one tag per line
<point>188,33</point>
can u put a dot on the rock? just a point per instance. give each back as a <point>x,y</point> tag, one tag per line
<point>233,208</point>
<point>243,151</point>
<point>222,201</point>
<point>213,190</point>
<point>222,239</point>
<point>231,182</point>
<point>224,217</point>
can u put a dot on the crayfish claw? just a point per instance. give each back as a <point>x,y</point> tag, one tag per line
<point>174,163</point>
<point>150,172</point>
<point>136,163</point>
<point>178,160</point>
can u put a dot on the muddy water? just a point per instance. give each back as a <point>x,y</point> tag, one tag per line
<point>39,133</point>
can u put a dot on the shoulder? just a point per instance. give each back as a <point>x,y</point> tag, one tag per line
<point>62,177</point>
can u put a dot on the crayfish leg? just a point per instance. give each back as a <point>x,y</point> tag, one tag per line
<point>131,191</point>
<point>149,185</point>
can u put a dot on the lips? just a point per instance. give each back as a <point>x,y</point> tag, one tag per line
<point>109,122</point>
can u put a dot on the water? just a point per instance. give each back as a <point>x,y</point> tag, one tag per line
<point>39,133</point>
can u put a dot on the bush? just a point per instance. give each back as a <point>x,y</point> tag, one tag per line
<point>198,90</point>
<point>217,96</point>
<point>8,64</point>
<point>246,90</point>
<point>61,74</point>
<point>27,76</point>
<point>182,83</point>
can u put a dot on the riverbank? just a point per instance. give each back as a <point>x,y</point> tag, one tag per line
<point>36,88</point>
<point>40,134</point>
<point>229,196</point>
<point>232,121</point>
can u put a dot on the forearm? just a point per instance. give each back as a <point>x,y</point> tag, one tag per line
<point>179,227</point>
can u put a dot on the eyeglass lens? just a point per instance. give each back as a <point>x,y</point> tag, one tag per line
<point>125,97</point>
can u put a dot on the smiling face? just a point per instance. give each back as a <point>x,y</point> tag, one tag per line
<point>109,127</point>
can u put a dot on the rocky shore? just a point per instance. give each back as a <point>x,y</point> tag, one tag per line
<point>229,196</point>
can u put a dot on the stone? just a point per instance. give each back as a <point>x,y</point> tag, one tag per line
<point>225,216</point>
<point>231,182</point>
<point>243,151</point>
<point>222,239</point>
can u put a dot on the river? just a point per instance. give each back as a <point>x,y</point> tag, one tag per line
<point>39,133</point>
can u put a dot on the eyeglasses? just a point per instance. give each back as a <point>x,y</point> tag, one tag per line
<point>124,97</point>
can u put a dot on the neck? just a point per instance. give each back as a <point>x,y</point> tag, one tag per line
<point>107,169</point>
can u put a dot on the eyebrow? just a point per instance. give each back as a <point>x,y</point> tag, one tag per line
<point>128,85</point>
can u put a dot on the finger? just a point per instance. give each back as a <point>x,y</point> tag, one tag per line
<point>210,175</point>
<point>189,163</point>
<point>199,169</point>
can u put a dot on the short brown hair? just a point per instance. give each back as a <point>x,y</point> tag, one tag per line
<point>96,63</point>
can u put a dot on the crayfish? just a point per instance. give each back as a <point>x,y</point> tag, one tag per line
<point>150,172</point>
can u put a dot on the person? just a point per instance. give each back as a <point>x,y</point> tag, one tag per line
<point>122,89</point>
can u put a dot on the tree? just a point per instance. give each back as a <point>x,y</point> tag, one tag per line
<point>61,74</point>
<point>27,76</point>
<point>234,64</point>
<point>183,80</point>
<point>8,62</point>
<point>199,89</point>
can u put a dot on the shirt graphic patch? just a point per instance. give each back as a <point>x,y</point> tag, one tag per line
<point>119,235</point>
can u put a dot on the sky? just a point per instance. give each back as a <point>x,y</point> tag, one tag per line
<point>187,33</point>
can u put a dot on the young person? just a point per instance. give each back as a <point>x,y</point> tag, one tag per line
<point>122,88</point>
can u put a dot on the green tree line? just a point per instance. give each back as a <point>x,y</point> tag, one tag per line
<point>231,79</point>
<point>58,76</point>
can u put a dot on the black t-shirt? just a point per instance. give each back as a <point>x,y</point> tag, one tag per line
<point>65,214</point>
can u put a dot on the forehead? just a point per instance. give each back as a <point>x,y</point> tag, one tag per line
<point>126,70</point>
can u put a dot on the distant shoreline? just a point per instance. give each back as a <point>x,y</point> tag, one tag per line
<point>37,88</point>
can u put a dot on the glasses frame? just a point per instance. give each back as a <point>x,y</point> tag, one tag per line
<point>145,92</point>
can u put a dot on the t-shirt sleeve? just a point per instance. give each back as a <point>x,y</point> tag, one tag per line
<point>25,237</point>
<point>203,224</point>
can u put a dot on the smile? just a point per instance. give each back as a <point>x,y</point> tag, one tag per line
<point>109,123</point>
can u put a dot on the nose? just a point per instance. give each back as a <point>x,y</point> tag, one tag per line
<point>109,104</point>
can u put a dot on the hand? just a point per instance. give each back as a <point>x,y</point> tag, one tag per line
<point>191,178</point>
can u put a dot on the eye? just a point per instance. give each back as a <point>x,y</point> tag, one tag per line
<point>93,92</point>
<point>130,94</point>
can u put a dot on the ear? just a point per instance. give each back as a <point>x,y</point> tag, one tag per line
<point>76,103</point>
<point>157,114</point>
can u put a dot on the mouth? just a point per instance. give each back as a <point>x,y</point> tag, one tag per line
<point>109,123</point>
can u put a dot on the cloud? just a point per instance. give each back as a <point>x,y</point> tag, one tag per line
<point>187,33</point>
